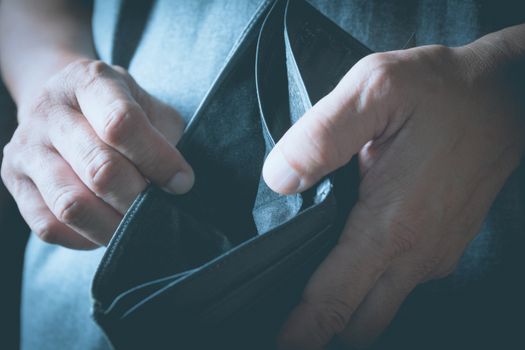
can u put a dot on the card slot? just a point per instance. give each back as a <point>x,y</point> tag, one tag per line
<point>270,208</point>
<point>227,133</point>
<point>318,49</point>
<point>284,95</point>
<point>270,77</point>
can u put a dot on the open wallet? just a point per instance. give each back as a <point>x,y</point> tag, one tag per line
<point>222,266</point>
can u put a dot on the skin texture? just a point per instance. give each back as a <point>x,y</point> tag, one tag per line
<point>89,138</point>
<point>437,130</point>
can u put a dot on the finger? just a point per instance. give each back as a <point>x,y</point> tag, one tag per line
<point>163,117</point>
<point>337,287</point>
<point>379,307</point>
<point>69,199</point>
<point>103,170</point>
<point>393,287</point>
<point>120,122</point>
<point>333,130</point>
<point>40,219</point>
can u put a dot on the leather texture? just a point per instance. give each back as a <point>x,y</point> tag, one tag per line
<point>221,266</point>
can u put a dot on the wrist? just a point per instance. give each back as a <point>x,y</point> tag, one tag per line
<point>499,56</point>
<point>30,81</point>
<point>493,69</point>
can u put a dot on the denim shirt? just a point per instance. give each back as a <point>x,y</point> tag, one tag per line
<point>185,43</point>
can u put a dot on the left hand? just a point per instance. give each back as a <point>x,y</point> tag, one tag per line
<point>438,131</point>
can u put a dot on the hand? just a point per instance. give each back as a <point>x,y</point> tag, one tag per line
<point>85,148</point>
<point>437,131</point>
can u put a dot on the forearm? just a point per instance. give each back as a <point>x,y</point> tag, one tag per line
<point>38,38</point>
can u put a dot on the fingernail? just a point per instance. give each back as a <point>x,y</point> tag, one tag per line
<point>279,175</point>
<point>181,182</point>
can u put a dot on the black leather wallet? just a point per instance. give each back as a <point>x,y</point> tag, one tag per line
<point>222,266</point>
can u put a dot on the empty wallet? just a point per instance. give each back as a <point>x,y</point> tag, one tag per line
<point>223,265</point>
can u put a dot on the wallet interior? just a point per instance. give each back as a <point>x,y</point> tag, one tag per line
<point>248,109</point>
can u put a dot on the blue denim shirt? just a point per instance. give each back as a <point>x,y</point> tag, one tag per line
<point>185,43</point>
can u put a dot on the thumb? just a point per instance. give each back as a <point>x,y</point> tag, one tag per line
<point>331,132</point>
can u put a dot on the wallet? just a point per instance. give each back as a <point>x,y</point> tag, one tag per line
<point>222,266</point>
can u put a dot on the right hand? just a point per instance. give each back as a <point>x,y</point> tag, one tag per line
<point>85,147</point>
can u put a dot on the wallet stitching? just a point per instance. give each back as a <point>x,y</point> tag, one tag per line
<point>114,244</point>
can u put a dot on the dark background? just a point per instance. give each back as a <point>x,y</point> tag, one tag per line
<point>13,233</point>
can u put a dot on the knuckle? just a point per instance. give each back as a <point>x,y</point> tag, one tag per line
<point>402,238</point>
<point>426,267</point>
<point>384,63</point>
<point>24,138</point>
<point>49,103</point>
<point>14,153</point>
<point>70,207</point>
<point>383,78</point>
<point>383,75</point>
<point>94,69</point>
<point>442,52</point>
<point>9,178</point>
<point>23,146</point>
<point>42,104</point>
<point>332,317</point>
<point>86,72</point>
<point>120,70</point>
<point>46,231</point>
<point>119,122</point>
<point>55,99</point>
<point>101,170</point>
